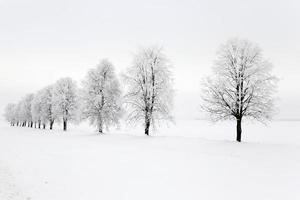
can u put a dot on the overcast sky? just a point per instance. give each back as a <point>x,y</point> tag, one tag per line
<point>42,41</point>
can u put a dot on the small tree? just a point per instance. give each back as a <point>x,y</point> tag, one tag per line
<point>149,94</point>
<point>47,107</point>
<point>18,114</point>
<point>65,100</point>
<point>21,111</point>
<point>242,85</point>
<point>36,109</point>
<point>26,107</point>
<point>101,96</point>
<point>9,114</point>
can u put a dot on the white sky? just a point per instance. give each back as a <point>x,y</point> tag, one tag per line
<point>42,41</point>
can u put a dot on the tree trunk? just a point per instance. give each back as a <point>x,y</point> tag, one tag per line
<point>44,126</point>
<point>34,124</point>
<point>65,125</point>
<point>100,127</point>
<point>31,125</point>
<point>147,125</point>
<point>238,130</point>
<point>51,124</point>
<point>100,122</point>
<point>39,124</point>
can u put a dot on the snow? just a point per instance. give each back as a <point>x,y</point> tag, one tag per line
<point>192,160</point>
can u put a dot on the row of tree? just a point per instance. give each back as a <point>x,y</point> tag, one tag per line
<point>241,86</point>
<point>147,97</point>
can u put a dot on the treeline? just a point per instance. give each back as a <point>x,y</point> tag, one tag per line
<point>99,99</point>
<point>240,87</point>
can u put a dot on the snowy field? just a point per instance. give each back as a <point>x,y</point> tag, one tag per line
<point>192,160</point>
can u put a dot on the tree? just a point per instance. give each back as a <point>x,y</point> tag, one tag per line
<point>18,114</point>
<point>242,86</point>
<point>21,111</point>
<point>36,109</point>
<point>101,96</point>
<point>149,94</point>
<point>9,114</point>
<point>65,100</point>
<point>26,109</point>
<point>47,106</point>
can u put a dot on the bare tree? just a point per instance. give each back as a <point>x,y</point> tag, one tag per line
<point>9,113</point>
<point>36,109</point>
<point>22,112</point>
<point>242,85</point>
<point>47,106</point>
<point>26,109</point>
<point>101,96</point>
<point>65,100</point>
<point>149,88</point>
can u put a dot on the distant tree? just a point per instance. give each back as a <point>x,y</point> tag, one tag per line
<point>47,106</point>
<point>36,109</point>
<point>242,85</point>
<point>101,96</point>
<point>26,109</point>
<point>9,114</point>
<point>65,100</point>
<point>149,94</point>
<point>17,114</point>
<point>21,111</point>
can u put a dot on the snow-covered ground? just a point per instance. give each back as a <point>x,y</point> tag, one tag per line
<point>192,160</point>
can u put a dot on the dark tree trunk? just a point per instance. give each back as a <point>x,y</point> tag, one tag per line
<point>100,127</point>
<point>39,125</point>
<point>51,124</point>
<point>100,121</point>
<point>65,125</point>
<point>238,130</point>
<point>44,126</point>
<point>147,126</point>
<point>31,124</point>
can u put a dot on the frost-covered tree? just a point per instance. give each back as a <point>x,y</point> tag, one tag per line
<point>9,114</point>
<point>101,96</point>
<point>36,109</point>
<point>47,106</point>
<point>149,93</point>
<point>18,115</point>
<point>242,85</point>
<point>65,100</point>
<point>21,111</point>
<point>26,109</point>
